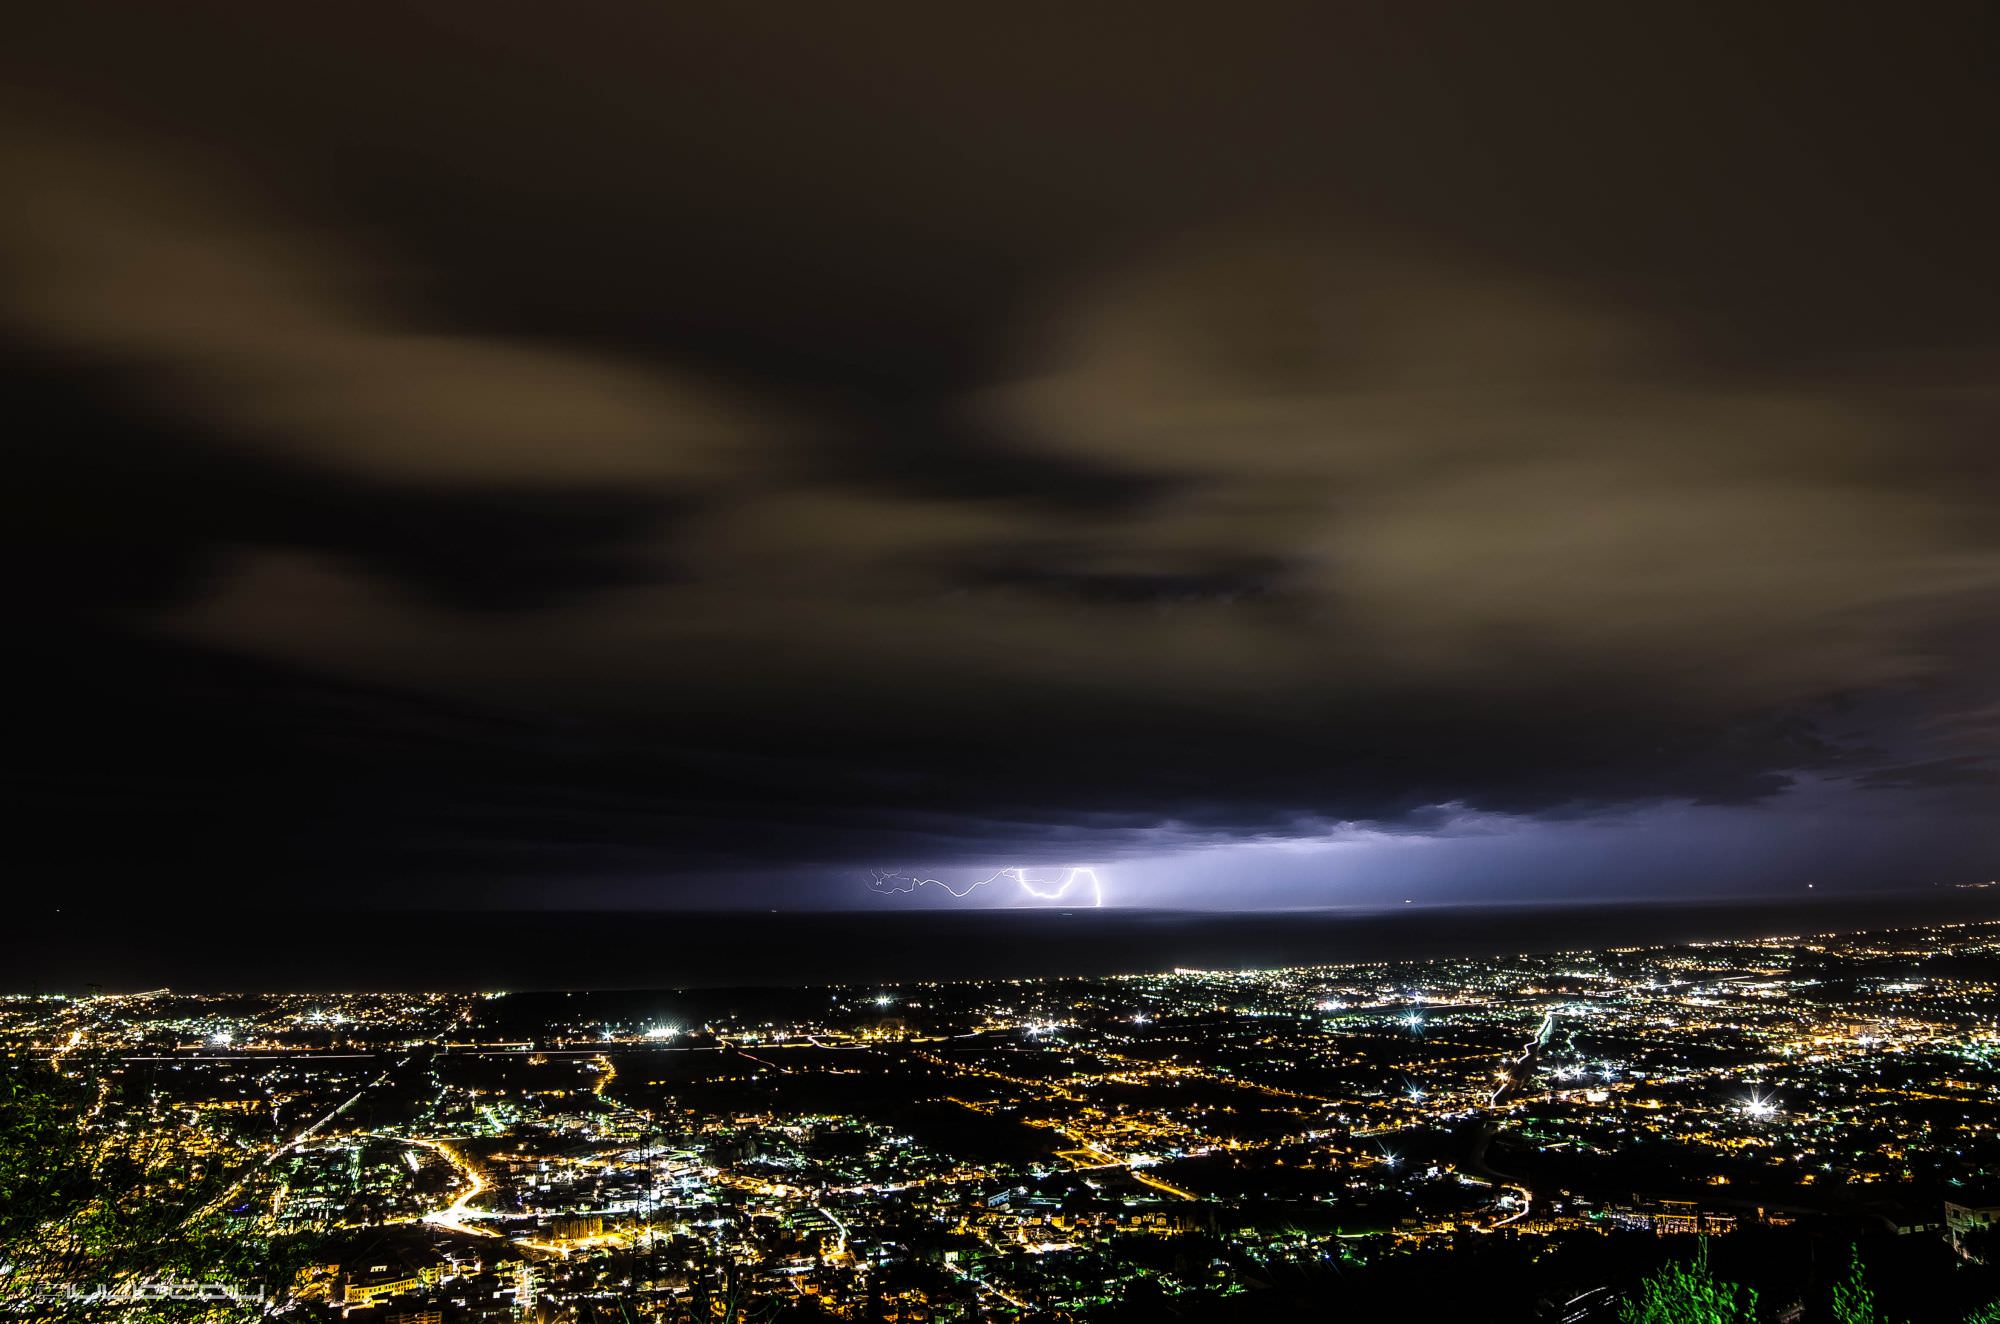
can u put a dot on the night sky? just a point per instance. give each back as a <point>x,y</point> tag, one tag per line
<point>498,455</point>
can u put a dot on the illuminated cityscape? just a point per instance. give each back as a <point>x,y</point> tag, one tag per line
<point>1287,662</point>
<point>1226,1144</point>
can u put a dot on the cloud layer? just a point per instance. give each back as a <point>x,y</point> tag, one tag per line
<point>667,518</point>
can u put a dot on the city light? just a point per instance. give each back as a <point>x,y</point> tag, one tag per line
<point>532,1142</point>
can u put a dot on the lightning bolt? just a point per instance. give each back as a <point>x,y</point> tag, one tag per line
<point>1079,876</point>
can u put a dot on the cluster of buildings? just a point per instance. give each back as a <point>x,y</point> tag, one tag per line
<point>994,1149</point>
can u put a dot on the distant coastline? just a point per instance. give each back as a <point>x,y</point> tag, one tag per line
<point>270,950</point>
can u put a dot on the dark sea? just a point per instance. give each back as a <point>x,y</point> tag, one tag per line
<point>73,950</point>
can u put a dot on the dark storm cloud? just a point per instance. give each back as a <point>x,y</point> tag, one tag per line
<point>129,541</point>
<point>1962,770</point>
<point>1064,572</point>
<point>701,443</point>
<point>239,773</point>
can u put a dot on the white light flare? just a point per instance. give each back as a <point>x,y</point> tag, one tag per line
<point>1760,1106</point>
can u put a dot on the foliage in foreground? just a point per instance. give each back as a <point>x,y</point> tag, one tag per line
<point>1690,1294</point>
<point>87,1207</point>
<point>1853,1300</point>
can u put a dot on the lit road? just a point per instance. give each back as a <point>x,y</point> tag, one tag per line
<point>1511,1082</point>
<point>298,1138</point>
<point>309,1131</point>
<point>455,1216</point>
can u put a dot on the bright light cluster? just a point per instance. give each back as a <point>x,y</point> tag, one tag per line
<point>1760,1105</point>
